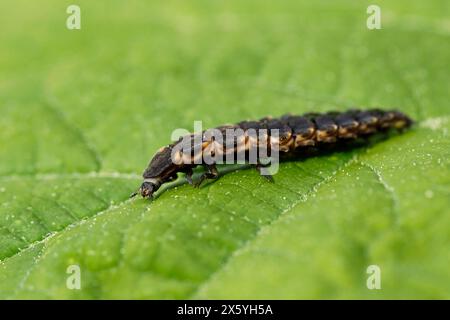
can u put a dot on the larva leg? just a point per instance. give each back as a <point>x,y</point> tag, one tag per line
<point>211,173</point>
<point>172,177</point>
<point>259,166</point>
<point>189,174</point>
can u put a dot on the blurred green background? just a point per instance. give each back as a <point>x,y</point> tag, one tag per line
<point>82,112</point>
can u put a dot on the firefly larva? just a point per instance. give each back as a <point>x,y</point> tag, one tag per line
<point>294,134</point>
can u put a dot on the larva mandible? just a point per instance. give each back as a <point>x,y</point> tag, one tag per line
<point>295,134</point>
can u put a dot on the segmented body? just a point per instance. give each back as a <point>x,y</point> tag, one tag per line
<point>294,133</point>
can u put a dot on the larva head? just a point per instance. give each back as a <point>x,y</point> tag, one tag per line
<point>161,169</point>
<point>148,188</point>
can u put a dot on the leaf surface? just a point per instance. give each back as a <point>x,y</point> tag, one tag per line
<point>83,111</point>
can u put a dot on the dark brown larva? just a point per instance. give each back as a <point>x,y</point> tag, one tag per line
<point>296,133</point>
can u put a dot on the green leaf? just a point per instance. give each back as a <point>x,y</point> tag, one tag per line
<point>83,111</point>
